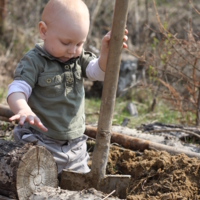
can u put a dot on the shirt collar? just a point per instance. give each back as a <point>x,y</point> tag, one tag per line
<point>39,49</point>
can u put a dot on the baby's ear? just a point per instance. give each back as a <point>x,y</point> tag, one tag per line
<point>42,29</point>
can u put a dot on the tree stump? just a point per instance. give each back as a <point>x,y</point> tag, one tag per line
<point>25,167</point>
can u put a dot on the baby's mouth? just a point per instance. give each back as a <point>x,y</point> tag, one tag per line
<point>64,59</point>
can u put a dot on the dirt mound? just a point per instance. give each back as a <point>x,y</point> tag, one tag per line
<point>157,175</point>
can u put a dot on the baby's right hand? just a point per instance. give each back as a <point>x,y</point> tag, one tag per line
<point>30,117</point>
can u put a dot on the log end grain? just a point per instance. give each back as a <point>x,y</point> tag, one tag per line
<point>37,168</point>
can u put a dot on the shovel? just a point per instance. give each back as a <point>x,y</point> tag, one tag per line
<point>97,178</point>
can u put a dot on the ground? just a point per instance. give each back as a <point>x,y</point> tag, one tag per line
<point>157,174</point>
<point>154,174</point>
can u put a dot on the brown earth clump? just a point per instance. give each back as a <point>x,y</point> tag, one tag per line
<point>157,174</point>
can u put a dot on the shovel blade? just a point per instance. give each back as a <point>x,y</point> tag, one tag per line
<point>119,183</point>
<point>79,181</point>
<point>75,181</point>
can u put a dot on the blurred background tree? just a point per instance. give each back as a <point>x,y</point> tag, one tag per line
<point>2,15</point>
<point>164,53</point>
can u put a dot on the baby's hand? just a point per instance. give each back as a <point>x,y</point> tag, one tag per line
<point>106,39</point>
<point>105,47</point>
<point>125,39</point>
<point>30,117</point>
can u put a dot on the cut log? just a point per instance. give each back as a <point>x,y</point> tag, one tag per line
<point>23,168</point>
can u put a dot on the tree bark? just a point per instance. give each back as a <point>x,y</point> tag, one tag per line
<point>137,22</point>
<point>101,149</point>
<point>23,168</point>
<point>6,198</point>
<point>137,144</point>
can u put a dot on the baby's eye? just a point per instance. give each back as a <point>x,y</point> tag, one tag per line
<point>65,43</point>
<point>79,44</point>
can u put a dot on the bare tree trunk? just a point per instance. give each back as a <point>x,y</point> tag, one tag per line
<point>37,19</point>
<point>137,22</point>
<point>2,15</point>
<point>190,16</point>
<point>94,15</point>
<point>147,11</point>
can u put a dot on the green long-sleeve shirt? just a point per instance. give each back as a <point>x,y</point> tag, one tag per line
<point>57,96</point>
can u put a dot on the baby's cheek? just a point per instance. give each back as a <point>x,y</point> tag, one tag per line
<point>58,51</point>
<point>78,52</point>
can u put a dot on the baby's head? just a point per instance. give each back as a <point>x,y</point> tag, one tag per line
<point>64,28</point>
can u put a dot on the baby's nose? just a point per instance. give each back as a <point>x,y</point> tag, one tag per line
<point>72,49</point>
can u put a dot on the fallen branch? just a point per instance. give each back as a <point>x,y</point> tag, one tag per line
<point>136,144</point>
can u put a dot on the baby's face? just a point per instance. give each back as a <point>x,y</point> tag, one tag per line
<point>64,39</point>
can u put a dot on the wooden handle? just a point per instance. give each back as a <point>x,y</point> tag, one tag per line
<point>113,65</point>
<point>101,149</point>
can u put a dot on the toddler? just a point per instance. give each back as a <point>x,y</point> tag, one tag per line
<point>47,93</point>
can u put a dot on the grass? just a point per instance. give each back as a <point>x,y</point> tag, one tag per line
<point>163,112</point>
<point>142,99</point>
<point>3,93</point>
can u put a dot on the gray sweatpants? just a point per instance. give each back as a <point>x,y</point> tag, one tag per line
<point>70,154</point>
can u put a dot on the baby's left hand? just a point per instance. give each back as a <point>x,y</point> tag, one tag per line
<point>125,39</point>
<point>105,47</point>
<point>106,39</point>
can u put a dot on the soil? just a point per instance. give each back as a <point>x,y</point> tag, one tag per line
<point>157,174</point>
<point>154,174</point>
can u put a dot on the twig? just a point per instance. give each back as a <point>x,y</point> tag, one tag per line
<point>109,195</point>
<point>11,44</point>
<point>175,130</point>
<point>128,88</point>
<point>187,61</point>
<point>194,7</point>
<point>163,29</point>
<point>142,58</point>
<point>159,84</point>
<point>94,16</point>
<point>158,18</point>
<point>143,184</point>
<point>185,76</point>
